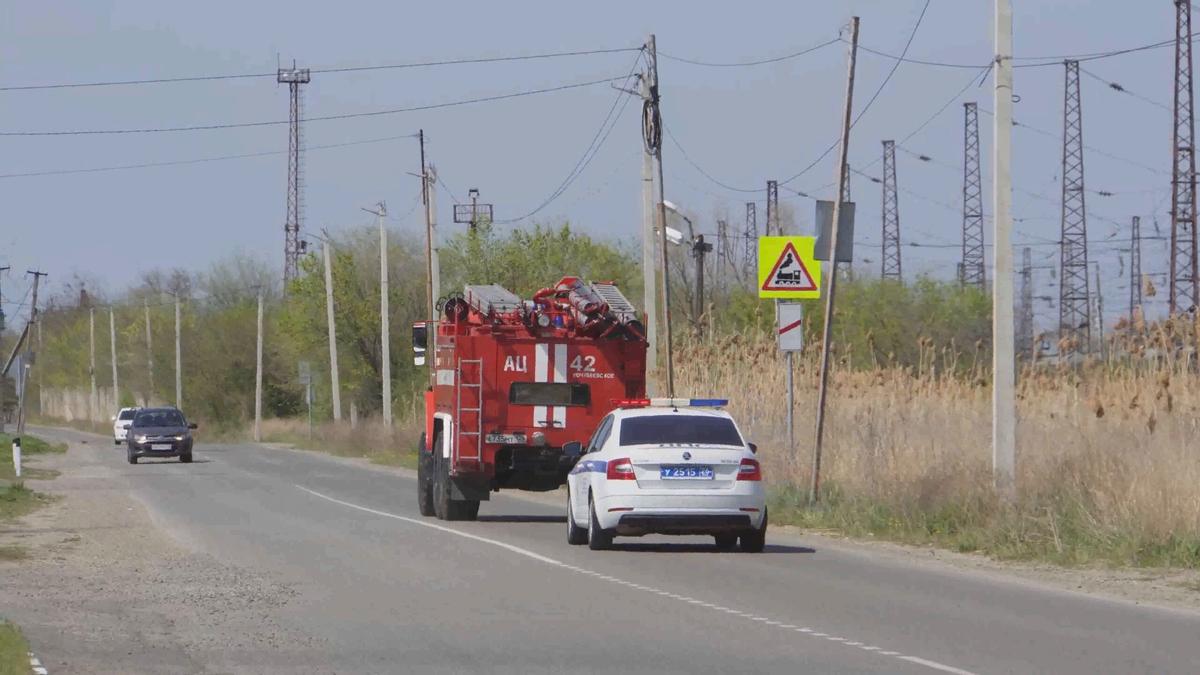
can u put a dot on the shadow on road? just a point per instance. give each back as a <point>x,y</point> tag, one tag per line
<point>522,519</point>
<point>701,548</point>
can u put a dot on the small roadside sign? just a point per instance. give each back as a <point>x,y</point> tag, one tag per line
<point>787,268</point>
<point>790,326</point>
<point>305,372</point>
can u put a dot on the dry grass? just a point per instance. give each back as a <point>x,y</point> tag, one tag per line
<point>396,446</point>
<point>1108,459</point>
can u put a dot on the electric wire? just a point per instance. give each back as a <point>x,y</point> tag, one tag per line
<point>1117,87</point>
<point>759,62</point>
<point>1042,61</point>
<point>345,69</point>
<point>323,118</point>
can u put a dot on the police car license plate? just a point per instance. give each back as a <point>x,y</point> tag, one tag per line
<point>686,472</point>
<point>160,446</point>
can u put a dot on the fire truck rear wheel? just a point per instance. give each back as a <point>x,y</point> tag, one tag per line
<point>444,507</point>
<point>424,477</point>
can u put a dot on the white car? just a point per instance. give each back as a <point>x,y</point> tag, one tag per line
<point>663,466</point>
<point>121,422</point>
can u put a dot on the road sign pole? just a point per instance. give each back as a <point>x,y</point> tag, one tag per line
<point>791,408</point>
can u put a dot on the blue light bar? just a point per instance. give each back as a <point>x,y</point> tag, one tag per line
<point>689,402</point>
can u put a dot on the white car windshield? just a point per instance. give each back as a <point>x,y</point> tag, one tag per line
<point>676,429</point>
<point>126,414</point>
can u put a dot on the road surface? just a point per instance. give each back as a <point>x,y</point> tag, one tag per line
<point>333,557</point>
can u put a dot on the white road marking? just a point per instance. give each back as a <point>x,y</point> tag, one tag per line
<point>36,665</point>
<point>934,665</point>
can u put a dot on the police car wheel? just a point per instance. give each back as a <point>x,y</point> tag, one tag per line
<point>755,541</point>
<point>598,539</point>
<point>576,535</point>
<point>726,541</point>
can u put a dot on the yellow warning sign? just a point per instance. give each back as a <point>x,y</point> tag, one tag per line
<point>787,268</point>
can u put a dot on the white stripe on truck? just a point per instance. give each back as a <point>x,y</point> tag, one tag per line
<point>560,375</point>
<point>541,371</point>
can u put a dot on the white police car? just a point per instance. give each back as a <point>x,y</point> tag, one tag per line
<point>665,466</point>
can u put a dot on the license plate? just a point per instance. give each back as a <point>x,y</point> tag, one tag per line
<point>161,446</point>
<point>506,439</point>
<point>686,472</point>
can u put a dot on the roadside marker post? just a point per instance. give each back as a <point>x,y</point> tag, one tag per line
<point>16,453</point>
<point>789,318</point>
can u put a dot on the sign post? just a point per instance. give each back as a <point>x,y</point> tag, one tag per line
<point>790,328</point>
<point>305,378</point>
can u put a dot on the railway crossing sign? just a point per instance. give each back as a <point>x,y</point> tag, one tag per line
<point>787,268</point>
<point>789,323</point>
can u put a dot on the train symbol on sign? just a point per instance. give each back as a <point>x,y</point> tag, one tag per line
<point>789,273</point>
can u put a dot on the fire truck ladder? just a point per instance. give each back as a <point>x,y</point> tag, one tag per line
<point>617,302</point>
<point>468,428</point>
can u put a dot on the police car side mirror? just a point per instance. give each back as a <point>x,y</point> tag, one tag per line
<point>753,448</point>
<point>572,450</point>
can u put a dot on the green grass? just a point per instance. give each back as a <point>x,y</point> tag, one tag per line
<point>17,500</point>
<point>12,553</point>
<point>1046,529</point>
<point>14,650</point>
<point>30,446</point>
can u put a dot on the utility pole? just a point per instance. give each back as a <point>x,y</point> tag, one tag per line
<point>890,268</point>
<point>1074,313</point>
<point>332,327</point>
<point>1184,290</point>
<point>385,364</point>
<point>112,343</point>
<point>773,227</point>
<point>149,354</point>
<point>1025,328</point>
<point>294,77</point>
<point>700,250</point>
<point>1100,313</point>
<point>652,135</point>
<point>1004,407</point>
<point>178,360</point>
<point>814,494</point>
<point>649,251</point>
<point>258,373</point>
<point>2,271</point>
<point>428,198</point>
<point>95,400</point>
<point>23,374</point>
<point>1135,268</point>
<point>973,273</point>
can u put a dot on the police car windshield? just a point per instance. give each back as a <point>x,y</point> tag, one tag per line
<point>126,414</point>
<point>676,429</point>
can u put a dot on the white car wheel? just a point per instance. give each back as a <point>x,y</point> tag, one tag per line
<point>576,535</point>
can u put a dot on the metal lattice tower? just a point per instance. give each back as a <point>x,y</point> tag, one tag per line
<point>294,77</point>
<point>972,268</point>
<point>1135,267</point>
<point>1025,326</point>
<point>1184,290</point>
<point>750,237</point>
<point>1074,315</point>
<point>773,227</point>
<point>891,215</point>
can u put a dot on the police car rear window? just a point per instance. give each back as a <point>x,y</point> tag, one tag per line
<point>676,429</point>
<point>549,393</point>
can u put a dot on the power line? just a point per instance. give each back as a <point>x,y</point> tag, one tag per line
<point>373,113</point>
<point>1115,86</point>
<point>348,69</point>
<point>598,139</point>
<point>870,101</point>
<point>1043,61</point>
<point>688,158</point>
<point>197,160</point>
<point>741,64</point>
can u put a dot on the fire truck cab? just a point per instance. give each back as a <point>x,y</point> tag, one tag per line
<point>513,380</point>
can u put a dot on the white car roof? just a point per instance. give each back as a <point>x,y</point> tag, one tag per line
<point>623,413</point>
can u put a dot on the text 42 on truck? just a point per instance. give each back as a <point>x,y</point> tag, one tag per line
<point>512,381</point>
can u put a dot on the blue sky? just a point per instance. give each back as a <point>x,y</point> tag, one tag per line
<point>742,125</point>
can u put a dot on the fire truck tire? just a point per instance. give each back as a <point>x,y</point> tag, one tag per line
<point>576,535</point>
<point>424,479</point>
<point>599,539</point>
<point>444,507</point>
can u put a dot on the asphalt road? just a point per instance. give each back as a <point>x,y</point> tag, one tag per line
<point>387,591</point>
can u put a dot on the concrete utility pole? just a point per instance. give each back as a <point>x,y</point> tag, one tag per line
<point>385,365</point>
<point>332,326</point>
<point>258,373</point>
<point>1004,419</point>
<point>428,197</point>
<point>95,400</point>
<point>1100,314</point>
<point>1135,267</point>
<point>112,344</point>
<point>178,360</point>
<point>814,494</point>
<point>652,132</point>
<point>23,373</point>
<point>649,249</point>
<point>149,354</point>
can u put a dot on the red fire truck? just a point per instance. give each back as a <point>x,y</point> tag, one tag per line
<point>513,380</point>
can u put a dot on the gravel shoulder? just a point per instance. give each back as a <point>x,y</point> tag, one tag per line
<point>105,590</point>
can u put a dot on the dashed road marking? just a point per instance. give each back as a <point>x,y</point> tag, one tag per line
<point>933,665</point>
